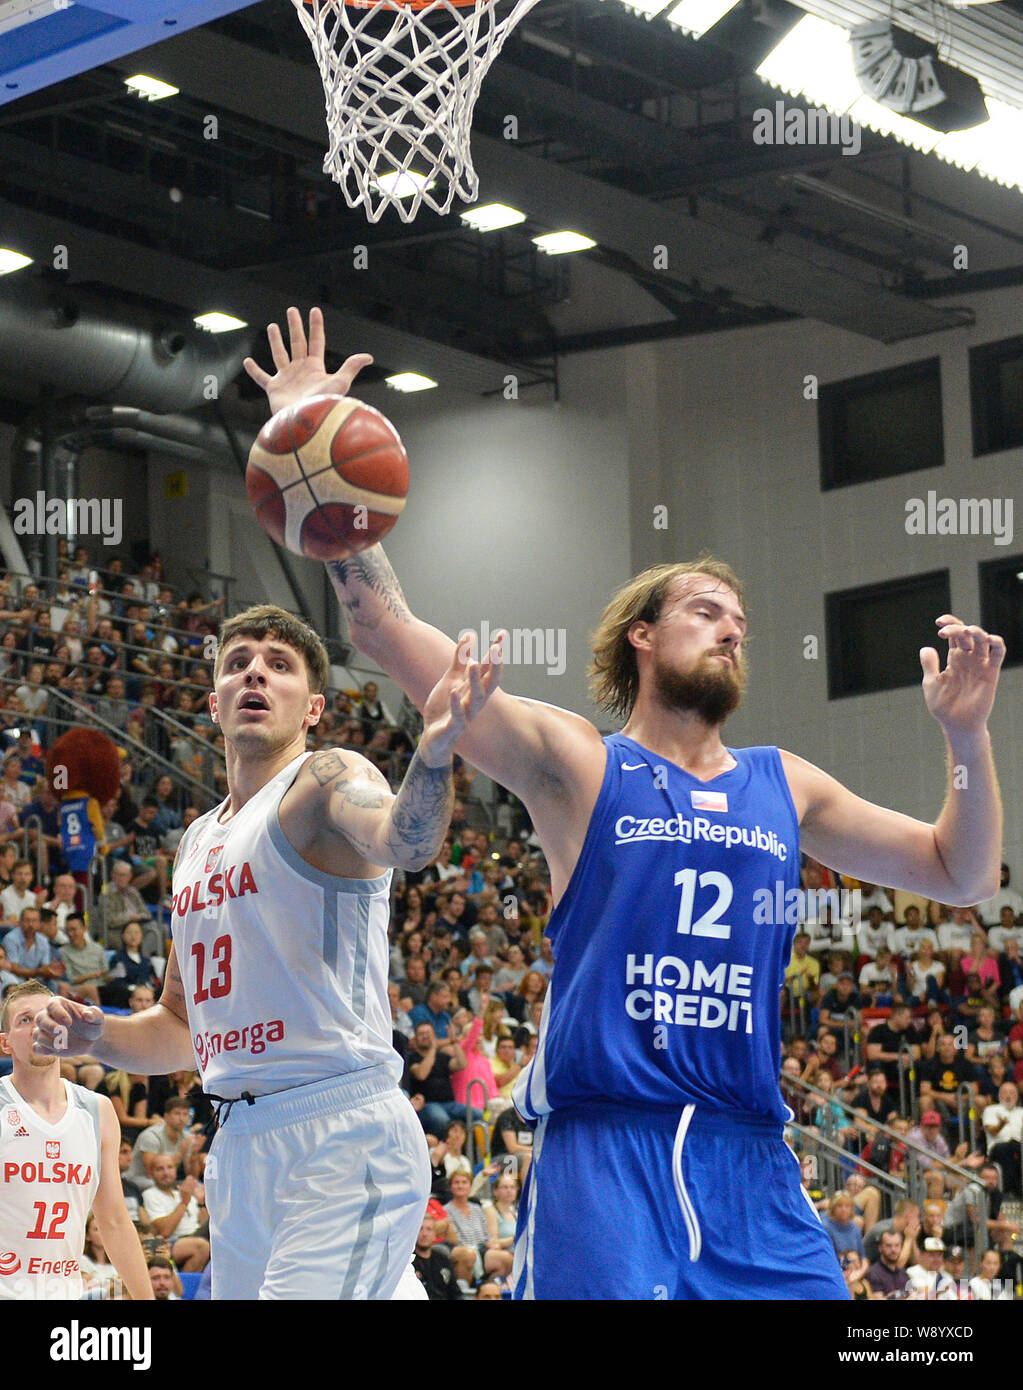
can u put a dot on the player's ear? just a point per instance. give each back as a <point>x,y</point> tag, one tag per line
<point>5,1049</point>
<point>317,704</point>
<point>213,706</point>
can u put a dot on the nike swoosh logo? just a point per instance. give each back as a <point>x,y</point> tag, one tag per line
<point>632,767</point>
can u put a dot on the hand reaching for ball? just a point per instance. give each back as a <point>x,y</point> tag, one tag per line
<point>303,372</point>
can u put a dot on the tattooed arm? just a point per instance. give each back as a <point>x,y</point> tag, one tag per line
<point>407,829</point>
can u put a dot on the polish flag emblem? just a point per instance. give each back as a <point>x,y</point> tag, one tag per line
<point>211,858</point>
<point>709,801</point>
<point>13,1118</point>
<point>53,1148</point>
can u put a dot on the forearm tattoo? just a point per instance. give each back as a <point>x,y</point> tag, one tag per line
<point>422,810</point>
<point>368,589</point>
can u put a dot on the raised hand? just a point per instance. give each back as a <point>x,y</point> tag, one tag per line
<point>961,697</point>
<point>65,1028</point>
<point>302,372</point>
<point>457,699</point>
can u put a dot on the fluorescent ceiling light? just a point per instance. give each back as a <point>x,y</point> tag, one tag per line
<point>697,16</point>
<point>150,87</point>
<point>814,62</point>
<point>409,381</point>
<point>491,217</point>
<point>403,183</point>
<point>649,7</point>
<point>12,260</point>
<point>558,243</point>
<point>219,323</point>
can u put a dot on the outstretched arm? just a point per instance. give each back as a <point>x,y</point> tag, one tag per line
<point>957,859</point>
<point>120,1239</point>
<point>535,749</point>
<point>153,1042</point>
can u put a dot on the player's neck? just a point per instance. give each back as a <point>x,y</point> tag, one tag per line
<point>42,1088</point>
<point>248,774</point>
<point>679,736</point>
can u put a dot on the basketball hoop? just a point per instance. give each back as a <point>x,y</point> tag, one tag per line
<point>401,79</point>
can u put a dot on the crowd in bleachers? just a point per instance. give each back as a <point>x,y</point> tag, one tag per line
<point>905,1014</point>
<point>900,978</point>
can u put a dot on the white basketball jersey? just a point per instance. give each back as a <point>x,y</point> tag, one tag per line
<point>284,966</point>
<point>50,1177</point>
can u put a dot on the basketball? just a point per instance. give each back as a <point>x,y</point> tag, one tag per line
<point>327,476</point>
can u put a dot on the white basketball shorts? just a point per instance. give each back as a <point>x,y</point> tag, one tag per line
<point>318,1192</point>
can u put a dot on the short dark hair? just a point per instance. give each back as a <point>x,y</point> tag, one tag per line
<point>267,620</point>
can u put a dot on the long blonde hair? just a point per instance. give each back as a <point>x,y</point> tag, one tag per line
<point>613,672</point>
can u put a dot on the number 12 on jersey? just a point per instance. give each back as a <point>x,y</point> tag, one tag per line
<point>220,957</point>
<point>709,924</point>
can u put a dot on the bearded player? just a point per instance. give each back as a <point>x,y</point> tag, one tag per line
<point>276,985</point>
<point>656,1073</point>
<point>58,1155</point>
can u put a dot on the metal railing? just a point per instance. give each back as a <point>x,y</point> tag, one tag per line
<point>839,1160</point>
<point>469,1126</point>
<point>907,1080</point>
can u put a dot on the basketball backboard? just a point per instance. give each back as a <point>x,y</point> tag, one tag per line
<point>45,41</point>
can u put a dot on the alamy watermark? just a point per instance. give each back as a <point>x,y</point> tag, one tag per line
<point>793,125</point>
<point>522,646</point>
<point>960,516</point>
<point>69,516</point>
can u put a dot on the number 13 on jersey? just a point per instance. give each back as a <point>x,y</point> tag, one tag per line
<point>219,979</point>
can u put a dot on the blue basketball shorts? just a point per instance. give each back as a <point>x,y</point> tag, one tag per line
<point>625,1203</point>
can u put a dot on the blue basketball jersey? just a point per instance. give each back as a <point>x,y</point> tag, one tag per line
<point>77,834</point>
<point>671,942</point>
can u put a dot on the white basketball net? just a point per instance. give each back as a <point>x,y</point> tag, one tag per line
<point>400,96</point>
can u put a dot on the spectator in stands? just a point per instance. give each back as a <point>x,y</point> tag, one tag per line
<point>988,1284</point>
<point>838,1011</point>
<point>990,911</point>
<point>29,954</point>
<point>177,1213</point>
<point>873,1102</point>
<point>32,692</point>
<point>502,1212</point>
<point>983,963</point>
<point>130,965</point>
<point>885,1039</point>
<point>45,805</point>
<point>14,789</point>
<point>873,932</point>
<point>839,1224</point>
<point>479,957</point>
<point>512,1137</point>
<point>129,1095</point>
<point>86,973</point>
<point>880,981</point>
<point>121,904</point>
<point>927,1134</point>
<point>544,963</point>
<point>967,1006</point>
<point>469,1031</point>
<point>512,972</point>
<point>433,1267</point>
<point>413,984</point>
<point>171,1135</point>
<point>956,935</point>
<point>928,1278</point>
<point>1007,930</point>
<point>986,1040</point>
<point>887,1278</point>
<point>401,1021</point>
<point>477,1252</point>
<point>165,795</point>
<point>925,976</point>
<point>905,1225</point>
<point>907,937</point>
<point>802,974</point>
<point>529,994</point>
<point>941,1077</point>
<point>1003,1124</point>
<point>149,859</point>
<point>436,1010</point>
<point>428,1074</point>
<point>871,895</point>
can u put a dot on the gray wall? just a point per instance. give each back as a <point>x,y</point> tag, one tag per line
<point>737,465</point>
